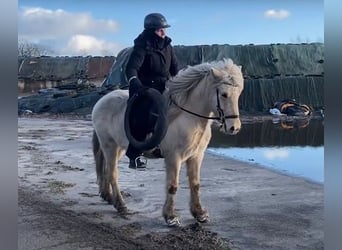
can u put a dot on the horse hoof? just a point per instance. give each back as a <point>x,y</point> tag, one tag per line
<point>107,197</point>
<point>123,211</point>
<point>174,222</point>
<point>204,218</point>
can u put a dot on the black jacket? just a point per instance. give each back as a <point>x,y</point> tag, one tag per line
<point>152,62</point>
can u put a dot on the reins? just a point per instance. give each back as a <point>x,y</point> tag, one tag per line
<point>222,117</point>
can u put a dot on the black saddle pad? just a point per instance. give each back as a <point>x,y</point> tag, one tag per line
<point>146,113</point>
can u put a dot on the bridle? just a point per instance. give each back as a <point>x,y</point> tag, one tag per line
<point>221,118</point>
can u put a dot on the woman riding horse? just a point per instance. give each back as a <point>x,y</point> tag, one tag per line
<point>150,65</point>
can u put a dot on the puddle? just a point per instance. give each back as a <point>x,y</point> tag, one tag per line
<point>290,148</point>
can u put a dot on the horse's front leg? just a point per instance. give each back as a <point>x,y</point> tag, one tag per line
<point>112,174</point>
<point>172,181</point>
<point>193,171</point>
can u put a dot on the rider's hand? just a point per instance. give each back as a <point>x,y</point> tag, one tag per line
<point>135,85</point>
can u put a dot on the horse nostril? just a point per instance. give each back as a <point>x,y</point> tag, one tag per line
<point>234,130</point>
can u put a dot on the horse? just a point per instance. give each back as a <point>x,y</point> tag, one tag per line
<point>197,96</point>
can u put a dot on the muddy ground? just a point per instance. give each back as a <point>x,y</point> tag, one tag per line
<point>59,207</point>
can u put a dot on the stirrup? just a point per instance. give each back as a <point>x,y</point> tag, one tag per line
<point>138,163</point>
<point>142,160</point>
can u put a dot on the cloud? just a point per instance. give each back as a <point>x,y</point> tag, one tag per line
<point>66,29</point>
<point>276,153</point>
<point>42,23</point>
<point>276,14</point>
<point>84,45</point>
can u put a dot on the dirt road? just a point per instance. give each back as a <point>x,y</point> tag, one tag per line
<point>59,207</point>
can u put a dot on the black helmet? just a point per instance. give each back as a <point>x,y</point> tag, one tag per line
<point>155,21</point>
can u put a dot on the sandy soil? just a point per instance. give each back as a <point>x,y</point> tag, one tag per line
<point>59,205</point>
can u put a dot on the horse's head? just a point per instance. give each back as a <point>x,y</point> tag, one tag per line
<point>209,88</point>
<point>228,82</point>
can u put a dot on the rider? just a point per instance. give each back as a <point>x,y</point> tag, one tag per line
<point>150,65</point>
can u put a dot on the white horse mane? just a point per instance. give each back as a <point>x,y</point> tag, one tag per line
<point>188,78</point>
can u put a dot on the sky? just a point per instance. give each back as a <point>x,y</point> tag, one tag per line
<point>104,27</point>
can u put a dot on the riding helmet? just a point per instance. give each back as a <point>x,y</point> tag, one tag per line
<point>155,21</point>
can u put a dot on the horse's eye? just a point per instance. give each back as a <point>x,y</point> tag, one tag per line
<point>224,95</point>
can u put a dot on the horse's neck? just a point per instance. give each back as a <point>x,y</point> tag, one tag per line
<point>198,103</point>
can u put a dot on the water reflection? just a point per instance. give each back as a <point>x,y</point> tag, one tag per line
<point>294,148</point>
<point>268,133</point>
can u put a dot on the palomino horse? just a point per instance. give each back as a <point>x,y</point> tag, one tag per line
<point>197,95</point>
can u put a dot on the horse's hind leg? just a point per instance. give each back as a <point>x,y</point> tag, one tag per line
<point>104,186</point>
<point>105,189</point>
<point>172,180</point>
<point>193,171</point>
<point>112,154</point>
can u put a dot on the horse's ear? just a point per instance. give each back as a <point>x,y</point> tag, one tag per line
<point>216,73</point>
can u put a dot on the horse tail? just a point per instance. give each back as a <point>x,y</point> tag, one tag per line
<point>98,156</point>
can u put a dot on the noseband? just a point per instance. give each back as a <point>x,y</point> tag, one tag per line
<point>221,118</point>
